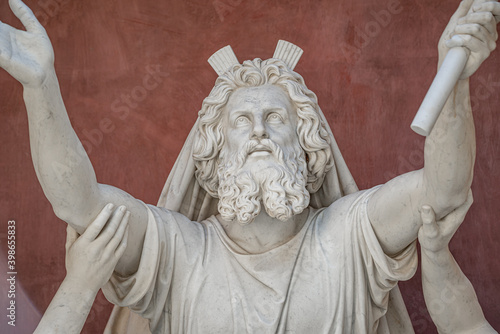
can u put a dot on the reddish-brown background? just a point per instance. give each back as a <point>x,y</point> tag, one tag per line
<point>369,96</point>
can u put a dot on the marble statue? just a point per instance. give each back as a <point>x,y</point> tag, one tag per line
<point>260,227</point>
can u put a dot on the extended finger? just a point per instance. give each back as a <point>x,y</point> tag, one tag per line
<point>479,32</point>
<point>96,226</point>
<point>429,226</point>
<point>112,226</point>
<point>123,245</point>
<point>118,236</point>
<point>490,6</point>
<point>25,15</point>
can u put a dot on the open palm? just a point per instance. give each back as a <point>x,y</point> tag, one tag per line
<point>26,55</point>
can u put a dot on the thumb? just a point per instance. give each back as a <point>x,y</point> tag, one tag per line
<point>71,236</point>
<point>429,227</point>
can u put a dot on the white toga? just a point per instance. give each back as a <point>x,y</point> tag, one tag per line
<point>332,277</point>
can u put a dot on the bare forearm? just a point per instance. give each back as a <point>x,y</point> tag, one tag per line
<point>60,162</point>
<point>443,183</point>
<point>450,153</point>
<point>450,297</point>
<point>66,174</point>
<point>68,309</point>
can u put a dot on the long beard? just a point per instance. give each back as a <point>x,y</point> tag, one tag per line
<point>280,187</point>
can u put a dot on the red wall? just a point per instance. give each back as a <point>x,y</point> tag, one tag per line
<point>369,75</point>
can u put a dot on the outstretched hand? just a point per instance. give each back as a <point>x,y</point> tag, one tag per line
<point>473,26</point>
<point>26,55</point>
<point>92,257</point>
<point>435,236</point>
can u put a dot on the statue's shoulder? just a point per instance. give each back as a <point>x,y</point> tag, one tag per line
<point>175,220</point>
<point>343,204</point>
<point>340,210</point>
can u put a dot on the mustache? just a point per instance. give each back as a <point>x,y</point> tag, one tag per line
<point>261,145</point>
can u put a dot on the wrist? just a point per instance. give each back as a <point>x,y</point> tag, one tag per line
<point>437,255</point>
<point>82,285</point>
<point>46,78</point>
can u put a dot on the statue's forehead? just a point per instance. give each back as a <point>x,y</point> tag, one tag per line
<point>266,96</point>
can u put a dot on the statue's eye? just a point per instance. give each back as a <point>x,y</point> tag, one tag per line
<point>274,118</point>
<point>242,120</point>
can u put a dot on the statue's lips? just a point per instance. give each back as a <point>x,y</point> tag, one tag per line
<point>260,150</point>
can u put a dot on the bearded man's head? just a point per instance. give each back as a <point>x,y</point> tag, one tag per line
<point>281,183</point>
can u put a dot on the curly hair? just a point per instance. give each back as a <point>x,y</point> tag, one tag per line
<point>312,133</point>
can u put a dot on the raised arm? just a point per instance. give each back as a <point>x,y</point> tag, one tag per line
<point>449,150</point>
<point>90,261</point>
<point>61,164</point>
<point>449,295</point>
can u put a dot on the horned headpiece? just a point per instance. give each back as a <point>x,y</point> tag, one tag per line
<point>224,59</point>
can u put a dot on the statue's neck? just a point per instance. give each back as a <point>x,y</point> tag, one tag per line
<point>264,233</point>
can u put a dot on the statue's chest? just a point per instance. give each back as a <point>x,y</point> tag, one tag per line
<point>271,296</point>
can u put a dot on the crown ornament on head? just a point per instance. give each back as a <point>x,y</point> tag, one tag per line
<point>224,59</point>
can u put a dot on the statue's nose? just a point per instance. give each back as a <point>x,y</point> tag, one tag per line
<point>259,130</point>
